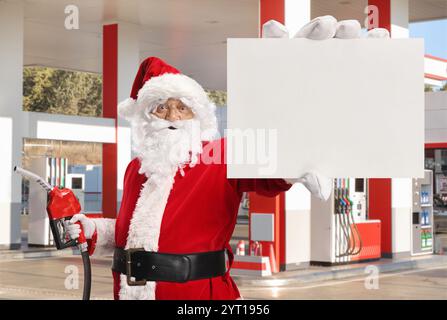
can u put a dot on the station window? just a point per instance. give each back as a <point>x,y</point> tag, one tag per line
<point>82,162</point>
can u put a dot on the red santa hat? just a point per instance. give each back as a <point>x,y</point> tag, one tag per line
<point>155,82</point>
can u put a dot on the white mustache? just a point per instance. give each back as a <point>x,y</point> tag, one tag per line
<point>158,124</point>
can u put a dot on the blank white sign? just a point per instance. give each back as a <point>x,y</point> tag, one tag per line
<point>345,108</point>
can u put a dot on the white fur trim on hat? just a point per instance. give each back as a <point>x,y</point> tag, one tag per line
<point>127,108</point>
<point>159,89</point>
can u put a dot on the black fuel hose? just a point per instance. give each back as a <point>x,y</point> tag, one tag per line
<point>87,275</point>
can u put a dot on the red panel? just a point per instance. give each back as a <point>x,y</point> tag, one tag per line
<point>248,265</point>
<point>282,230</point>
<point>379,192</point>
<point>110,102</point>
<point>275,205</point>
<point>261,204</point>
<point>371,246</point>
<point>436,145</point>
<point>384,7</point>
<point>94,215</point>
<point>271,9</point>
<point>379,207</point>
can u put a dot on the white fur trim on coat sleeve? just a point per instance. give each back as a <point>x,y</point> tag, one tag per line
<point>105,242</point>
<point>291,181</point>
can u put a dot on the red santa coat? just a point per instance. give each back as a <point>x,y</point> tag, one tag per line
<point>200,215</point>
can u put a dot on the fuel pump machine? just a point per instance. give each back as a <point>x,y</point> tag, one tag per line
<point>340,229</point>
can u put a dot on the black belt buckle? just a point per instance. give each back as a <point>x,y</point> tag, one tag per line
<point>131,282</point>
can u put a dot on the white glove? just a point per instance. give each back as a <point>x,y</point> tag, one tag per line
<point>318,185</point>
<point>322,28</point>
<point>74,229</point>
<point>378,33</point>
<point>348,29</point>
<point>274,29</point>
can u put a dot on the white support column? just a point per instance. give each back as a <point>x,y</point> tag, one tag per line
<point>401,189</point>
<point>128,63</point>
<point>11,120</point>
<point>297,14</point>
<point>298,227</point>
<point>399,19</point>
<point>401,211</point>
<point>297,199</point>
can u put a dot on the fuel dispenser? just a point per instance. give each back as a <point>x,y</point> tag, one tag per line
<point>340,229</point>
<point>422,215</point>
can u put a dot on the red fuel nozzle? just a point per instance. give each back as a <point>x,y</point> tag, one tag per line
<point>62,205</point>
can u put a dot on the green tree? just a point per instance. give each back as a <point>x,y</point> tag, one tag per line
<point>218,97</point>
<point>62,92</point>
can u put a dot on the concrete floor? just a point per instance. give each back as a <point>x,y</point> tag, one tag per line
<point>416,284</point>
<point>44,279</point>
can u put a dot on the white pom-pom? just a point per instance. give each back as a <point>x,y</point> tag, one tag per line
<point>127,108</point>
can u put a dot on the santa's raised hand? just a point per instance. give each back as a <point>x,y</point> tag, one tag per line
<point>322,28</point>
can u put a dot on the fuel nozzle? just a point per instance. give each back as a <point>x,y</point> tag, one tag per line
<point>62,206</point>
<point>34,177</point>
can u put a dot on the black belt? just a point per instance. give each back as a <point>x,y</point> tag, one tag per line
<point>140,266</point>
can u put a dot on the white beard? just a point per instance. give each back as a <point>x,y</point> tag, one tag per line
<point>162,151</point>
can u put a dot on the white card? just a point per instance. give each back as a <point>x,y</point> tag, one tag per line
<point>344,108</point>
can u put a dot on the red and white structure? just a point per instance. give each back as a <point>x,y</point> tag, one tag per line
<point>256,266</point>
<point>114,36</point>
<point>435,71</point>
<point>390,200</point>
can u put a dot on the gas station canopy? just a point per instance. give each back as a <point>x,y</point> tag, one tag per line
<point>190,34</point>
<point>420,10</point>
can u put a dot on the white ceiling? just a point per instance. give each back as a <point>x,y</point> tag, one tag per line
<point>340,9</point>
<point>420,10</point>
<point>189,34</point>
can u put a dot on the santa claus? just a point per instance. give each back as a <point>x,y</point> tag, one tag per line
<point>178,209</point>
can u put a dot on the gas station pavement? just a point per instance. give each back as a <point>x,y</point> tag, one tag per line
<point>421,278</point>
